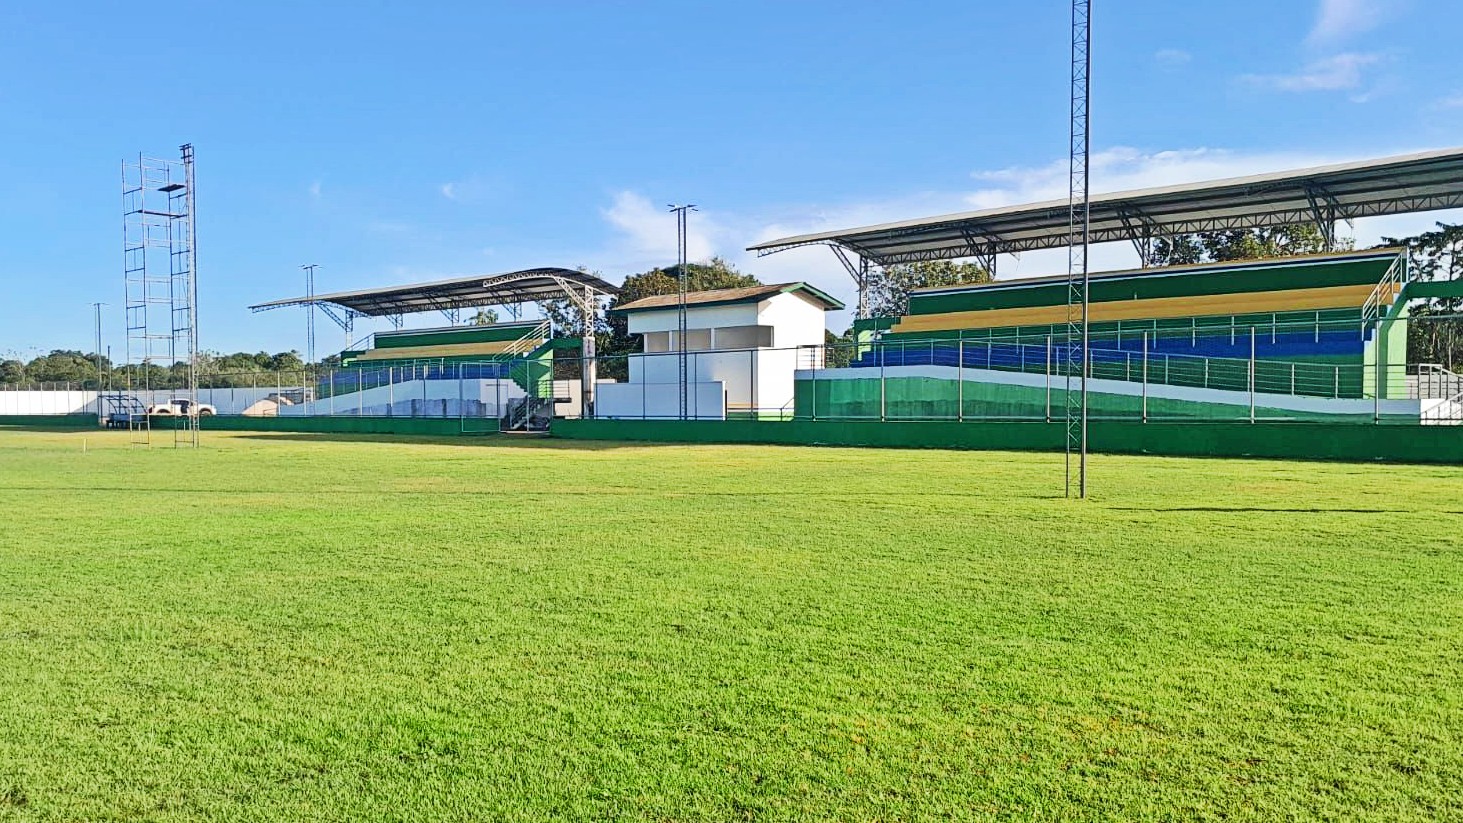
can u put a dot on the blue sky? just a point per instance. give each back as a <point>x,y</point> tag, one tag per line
<point>393,142</point>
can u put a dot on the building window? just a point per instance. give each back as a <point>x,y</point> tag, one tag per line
<point>657,341</point>
<point>696,340</point>
<point>744,337</point>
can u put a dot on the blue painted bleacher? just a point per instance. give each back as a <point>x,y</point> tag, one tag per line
<point>1024,356</point>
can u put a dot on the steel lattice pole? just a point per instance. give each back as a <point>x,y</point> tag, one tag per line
<point>1078,237</point>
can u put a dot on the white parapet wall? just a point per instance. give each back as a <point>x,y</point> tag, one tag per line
<point>659,401</point>
<point>226,401</point>
<point>417,398</point>
<point>48,402</point>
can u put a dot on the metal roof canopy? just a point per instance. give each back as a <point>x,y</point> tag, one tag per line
<point>512,288</point>
<point>1425,181</point>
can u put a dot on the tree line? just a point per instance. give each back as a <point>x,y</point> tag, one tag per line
<point>81,369</point>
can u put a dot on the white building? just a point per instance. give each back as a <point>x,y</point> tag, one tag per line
<point>743,346</point>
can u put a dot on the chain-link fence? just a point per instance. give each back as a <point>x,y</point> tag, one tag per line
<point>1322,371</point>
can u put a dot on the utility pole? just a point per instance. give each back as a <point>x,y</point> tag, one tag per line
<point>683,379</point>
<point>97,310</point>
<point>310,313</point>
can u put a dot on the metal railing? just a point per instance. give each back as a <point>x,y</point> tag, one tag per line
<point>1138,374</point>
<point>1377,303</point>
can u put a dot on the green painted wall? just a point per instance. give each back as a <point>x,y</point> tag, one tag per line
<point>1302,441</point>
<point>495,333</point>
<point>929,398</point>
<point>432,426</point>
<point>49,421</point>
<point>1230,279</point>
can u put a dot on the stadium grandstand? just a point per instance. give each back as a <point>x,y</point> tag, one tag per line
<point>1312,337</point>
<point>498,372</point>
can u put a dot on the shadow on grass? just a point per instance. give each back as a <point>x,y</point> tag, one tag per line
<point>493,439</point>
<point>1254,509</point>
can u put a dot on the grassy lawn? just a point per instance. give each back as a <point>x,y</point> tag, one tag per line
<point>299,628</point>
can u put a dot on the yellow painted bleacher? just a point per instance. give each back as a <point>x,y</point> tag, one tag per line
<point>1159,308</point>
<point>450,350</point>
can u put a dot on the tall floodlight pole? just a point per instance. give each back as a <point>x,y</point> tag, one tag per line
<point>309,269</point>
<point>191,229</point>
<point>97,310</point>
<point>1078,236</point>
<point>683,378</point>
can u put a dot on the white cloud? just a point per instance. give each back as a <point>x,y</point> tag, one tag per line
<point>315,190</point>
<point>1338,20</point>
<point>647,233</point>
<point>469,190</point>
<point>1172,58</point>
<point>1453,102</point>
<point>1340,72</point>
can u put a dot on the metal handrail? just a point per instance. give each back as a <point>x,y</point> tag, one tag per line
<point>1387,290</point>
<point>531,340</point>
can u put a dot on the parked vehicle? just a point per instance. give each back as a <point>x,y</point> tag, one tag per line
<point>181,407</point>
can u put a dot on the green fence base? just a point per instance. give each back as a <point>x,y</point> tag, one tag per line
<point>323,424</point>
<point>48,421</point>
<point>1300,440</point>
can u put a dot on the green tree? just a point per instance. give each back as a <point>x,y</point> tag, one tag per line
<point>12,371</point>
<point>889,286</point>
<point>286,361</point>
<point>1241,244</point>
<point>1434,333</point>
<point>484,317</point>
<point>613,340</point>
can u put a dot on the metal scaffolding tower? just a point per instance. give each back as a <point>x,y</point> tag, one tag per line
<point>159,263</point>
<point>1078,236</point>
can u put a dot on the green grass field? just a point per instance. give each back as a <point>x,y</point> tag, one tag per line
<point>302,628</point>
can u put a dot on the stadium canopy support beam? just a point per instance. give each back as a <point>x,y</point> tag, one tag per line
<point>345,318</point>
<point>1323,212</point>
<point>1143,231</point>
<point>586,300</point>
<point>860,273</point>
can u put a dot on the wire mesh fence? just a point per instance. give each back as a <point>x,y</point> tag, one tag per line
<point>1343,372</point>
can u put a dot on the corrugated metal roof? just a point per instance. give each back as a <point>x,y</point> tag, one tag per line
<point>526,286</point>
<point>1424,181</point>
<point>744,294</point>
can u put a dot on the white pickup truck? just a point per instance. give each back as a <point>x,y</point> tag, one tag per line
<point>181,407</point>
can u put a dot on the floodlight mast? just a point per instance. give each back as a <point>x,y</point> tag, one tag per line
<point>309,269</point>
<point>97,355</point>
<point>1078,238</point>
<point>682,375</point>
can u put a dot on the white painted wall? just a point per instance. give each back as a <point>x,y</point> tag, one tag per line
<point>795,319</point>
<point>757,380</point>
<point>416,398</point>
<point>227,401</point>
<point>697,317</point>
<point>639,401</point>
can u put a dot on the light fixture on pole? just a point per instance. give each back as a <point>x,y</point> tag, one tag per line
<point>683,378</point>
<point>97,354</point>
<point>310,312</point>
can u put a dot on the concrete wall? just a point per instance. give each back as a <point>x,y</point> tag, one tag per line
<point>697,317</point>
<point>416,398</point>
<point>705,400</point>
<point>227,401</point>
